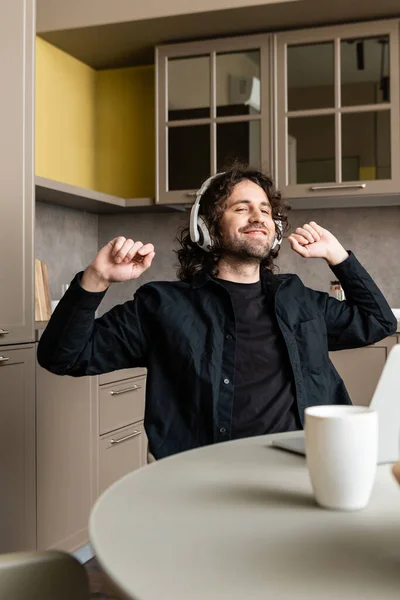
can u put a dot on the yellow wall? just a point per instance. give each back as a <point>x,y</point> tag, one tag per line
<point>125,126</point>
<point>94,129</point>
<point>65,117</point>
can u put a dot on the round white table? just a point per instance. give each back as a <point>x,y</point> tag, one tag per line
<point>238,521</point>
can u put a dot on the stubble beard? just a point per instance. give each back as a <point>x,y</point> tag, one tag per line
<point>245,251</point>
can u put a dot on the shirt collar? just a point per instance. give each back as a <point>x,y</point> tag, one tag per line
<point>268,280</point>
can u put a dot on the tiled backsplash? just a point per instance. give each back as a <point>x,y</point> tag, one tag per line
<point>160,230</point>
<point>373,234</point>
<point>67,240</point>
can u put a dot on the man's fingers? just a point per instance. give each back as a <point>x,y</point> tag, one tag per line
<point>320,230</point>
<point>148,259</point>
<point>300,239</point>
<point>132,254</point>
<point>313,231</point>
<point>306,234</point>
<point>128,251</point>
<point>142,252</point>
<point>146,249</point>
<point>302,250</point>
<point>117,244</point>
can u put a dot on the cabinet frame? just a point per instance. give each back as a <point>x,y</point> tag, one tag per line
<point>17,59</point>
<point>336,34</point>
<point>261,42</point>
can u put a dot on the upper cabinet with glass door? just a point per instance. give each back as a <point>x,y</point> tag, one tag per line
<point>338,111</point>
<point>212,109</point>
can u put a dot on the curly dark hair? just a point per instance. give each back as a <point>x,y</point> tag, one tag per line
<point>192,259</point>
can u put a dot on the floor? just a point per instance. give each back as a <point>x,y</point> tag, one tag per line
<point>99,589</point>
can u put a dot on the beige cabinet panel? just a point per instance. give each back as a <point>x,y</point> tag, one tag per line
<point>121,404</point>
<point>66,458</point>
<point>17,39</point>
<point>361,368</point>
<point>17,449</point>
<point>120,453</point>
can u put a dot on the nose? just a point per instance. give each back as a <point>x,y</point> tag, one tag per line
<point>257,216</point>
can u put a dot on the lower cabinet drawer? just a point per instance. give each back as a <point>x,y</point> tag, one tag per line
<point>121,403</point>
<point>105,378</point>
<point>120,453</point>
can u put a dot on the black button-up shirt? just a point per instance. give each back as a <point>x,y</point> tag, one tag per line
<point>184,334</point>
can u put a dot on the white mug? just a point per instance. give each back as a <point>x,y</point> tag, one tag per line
<point>342,453</point>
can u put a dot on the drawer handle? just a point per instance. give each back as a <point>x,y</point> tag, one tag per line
<point>3,359</point>
<point>124,439</point>
<point>131,389</point>
<point>345,186</point>
<point>4,331</point>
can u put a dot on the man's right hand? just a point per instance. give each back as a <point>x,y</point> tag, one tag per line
<point>120,260</point>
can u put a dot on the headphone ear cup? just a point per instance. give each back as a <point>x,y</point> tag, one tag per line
<point>205,238</point>
<point>277,239</point>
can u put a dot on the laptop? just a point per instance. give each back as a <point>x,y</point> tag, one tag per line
<point>386,401</point>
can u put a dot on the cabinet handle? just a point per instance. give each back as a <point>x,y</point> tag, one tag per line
<point>124,439</point>
<point>3,359</point>
<point>131,389</point>
<point>317,188</point>
<point>4,331</point>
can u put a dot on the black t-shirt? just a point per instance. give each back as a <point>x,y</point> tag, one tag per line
<point>264,396</point>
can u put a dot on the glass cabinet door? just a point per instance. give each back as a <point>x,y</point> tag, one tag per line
<point>213,110</point>
<point>338,110</point>
<point>188,136</point>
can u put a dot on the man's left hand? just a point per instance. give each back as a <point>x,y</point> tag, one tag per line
<point>313,241</point>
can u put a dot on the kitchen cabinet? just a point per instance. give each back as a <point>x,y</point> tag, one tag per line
<point>17,362</point>
<point>89,434</point>
<point>121,403</point>
<point>120,453</point>
<point>122,444</point>
<point>17,36</point>
<point>337,115</point>
<point>214,106</point>
<point>17,449</point>
<point>317,108</point>
<point>361,368</point>
<point>66,458</point>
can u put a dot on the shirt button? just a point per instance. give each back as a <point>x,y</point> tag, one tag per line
<point>226,381</point>
<point>228,337</point>
<point>222,430</point>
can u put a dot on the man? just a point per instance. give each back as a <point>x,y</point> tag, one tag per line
<point>231,349</point>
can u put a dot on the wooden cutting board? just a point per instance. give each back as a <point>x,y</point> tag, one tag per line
<point>42,292</point>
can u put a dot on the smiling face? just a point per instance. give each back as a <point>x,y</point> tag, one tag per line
<point>247,226</point>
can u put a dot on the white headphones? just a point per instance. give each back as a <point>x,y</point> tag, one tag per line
<point>199,232</point>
